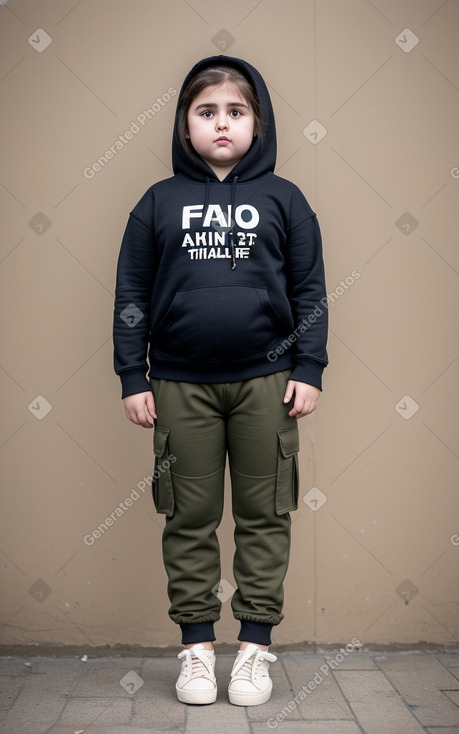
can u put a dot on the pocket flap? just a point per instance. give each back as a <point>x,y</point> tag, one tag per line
<point>160,441</point>
<point>289,441</point>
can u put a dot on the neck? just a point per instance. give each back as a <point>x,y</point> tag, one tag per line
<point>221,171</point>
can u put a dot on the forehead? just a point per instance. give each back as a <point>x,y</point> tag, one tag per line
<point>227,92</point>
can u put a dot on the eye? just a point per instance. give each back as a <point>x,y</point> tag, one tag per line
<point>207,114</point>
<point>235,113</point>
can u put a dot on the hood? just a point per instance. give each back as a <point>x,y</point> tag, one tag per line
<point>260,158</point>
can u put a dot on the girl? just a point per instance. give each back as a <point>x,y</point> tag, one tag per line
<point>221,285</point>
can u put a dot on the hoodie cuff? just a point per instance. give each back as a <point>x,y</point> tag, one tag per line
<point>133,381</point>
<point>309,371</point>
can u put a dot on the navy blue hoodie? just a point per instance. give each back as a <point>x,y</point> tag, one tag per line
<point>220,281</point>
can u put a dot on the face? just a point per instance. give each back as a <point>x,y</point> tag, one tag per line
<point>220,127</point>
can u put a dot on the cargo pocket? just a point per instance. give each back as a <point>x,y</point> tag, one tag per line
<point>287,470</point>
<point>163,495</point>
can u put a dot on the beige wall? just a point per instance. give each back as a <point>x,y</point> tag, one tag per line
<point>375,540</point>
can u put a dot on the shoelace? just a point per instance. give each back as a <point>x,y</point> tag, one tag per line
<point>199,666</point>
<point>244,667</point>
<point>245,672</point>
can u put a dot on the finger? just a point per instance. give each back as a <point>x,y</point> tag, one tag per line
<point>297,407</point>
<point>148,418</point>
<point>144,418</point>
<point>302,408</point>
<point>151,407</point>
<point>289,391</point>
<point>139,418</point>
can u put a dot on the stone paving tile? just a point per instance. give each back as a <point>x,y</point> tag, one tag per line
<point>450,661</point>
<point>352,661</point>
<point>355,661</point>
<point>453,695</point>
<point>281,695</point>
<point>84,713</point>
<point>323,698</point>
<point>374,694</point>
<point>46,680</point>
<point>101,677</point>
<point>10,689</point>
<point>111,729</point>
<point>420,680</point>
<point>155,703</point>
<point>376,705</point>
<point>14,666</point>
<point>309,727</point>
<point>220,718</point>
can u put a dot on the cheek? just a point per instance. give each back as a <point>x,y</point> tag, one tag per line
<point>194,130</point>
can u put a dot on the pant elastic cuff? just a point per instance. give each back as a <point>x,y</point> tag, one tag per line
<point>251,631</point>
<point>194,632</point>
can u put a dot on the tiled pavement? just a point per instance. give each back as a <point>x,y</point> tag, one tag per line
<point>332,693</point>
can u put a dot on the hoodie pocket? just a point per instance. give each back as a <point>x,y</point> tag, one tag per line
<point>222,323</point>
<point>163,494</point>
<point>287,470</point>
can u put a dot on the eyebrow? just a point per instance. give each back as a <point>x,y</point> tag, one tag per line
<point>212,104</point>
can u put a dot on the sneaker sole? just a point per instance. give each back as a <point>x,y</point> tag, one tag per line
<point>197,697</point>
<point>238,698</point>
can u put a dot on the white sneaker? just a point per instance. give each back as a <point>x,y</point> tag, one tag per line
<point>250,683</point>
<point>196,682</point>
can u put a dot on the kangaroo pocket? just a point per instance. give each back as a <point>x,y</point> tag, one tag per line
<point>222,323</point>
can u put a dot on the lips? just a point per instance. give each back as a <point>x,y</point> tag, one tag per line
<point>223,139</point>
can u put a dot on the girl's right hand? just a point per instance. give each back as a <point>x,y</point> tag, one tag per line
<point>140,408</point>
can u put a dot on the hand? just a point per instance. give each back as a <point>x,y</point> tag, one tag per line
<point>306,398</point>
<point>140,408</point>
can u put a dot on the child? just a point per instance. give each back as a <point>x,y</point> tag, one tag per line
<point>220,280</point>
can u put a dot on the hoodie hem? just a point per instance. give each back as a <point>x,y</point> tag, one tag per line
<point>213,374</point>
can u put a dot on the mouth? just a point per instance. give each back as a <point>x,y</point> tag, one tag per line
<point>223,139</point>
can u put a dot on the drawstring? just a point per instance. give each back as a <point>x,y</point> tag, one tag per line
<point>231,235</point>
<point>206,196</point>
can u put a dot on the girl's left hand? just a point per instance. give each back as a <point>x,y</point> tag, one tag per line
<point>306,398</point>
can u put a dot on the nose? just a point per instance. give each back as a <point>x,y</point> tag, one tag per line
<point>222,122</point>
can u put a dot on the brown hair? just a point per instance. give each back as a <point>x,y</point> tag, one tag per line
<point>215,75</point>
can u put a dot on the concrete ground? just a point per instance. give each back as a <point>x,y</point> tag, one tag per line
<point>328,693</point>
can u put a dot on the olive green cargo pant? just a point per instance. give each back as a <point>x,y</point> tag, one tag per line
<point>197,427</point>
